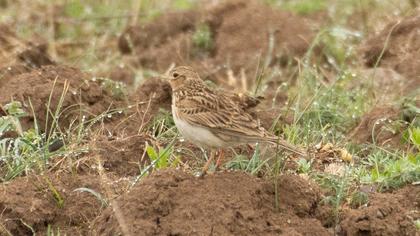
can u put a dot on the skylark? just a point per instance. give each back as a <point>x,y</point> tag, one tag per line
<point>213,120</point>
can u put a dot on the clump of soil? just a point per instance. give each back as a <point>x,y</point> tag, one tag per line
<point>376,126</point>
<point>37,86</point>
<point>171,202</point>
<point>28,203</point>
<point>123,156</point>
<point>156,91</point>
<point>244,34</point>
<point>399,46</point>
<point>385,214</point>
<point>19,56</point>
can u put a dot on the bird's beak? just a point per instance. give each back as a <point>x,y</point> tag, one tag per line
<point>165,77</point>
<point>168,78</point>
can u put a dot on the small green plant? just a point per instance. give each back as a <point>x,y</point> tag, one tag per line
<point>52,232</point>
<point>302,6</point>
<point>27,149</point>
<point>18,154</point>
<point>338,187</point>
<point>32,150</point>
<point>414,134</point>
<point>163,126</point>
<point>104,201</point>
<point>358,199</point>
<point>391,170</point>
<point>161,158</point>
<point>55,193</point>
<point>182,4</point>
<point>304,166</point>
<point>337,46</point>
<point>116,89</point>
<point>10,122</point>
<point>252,166</point>
<point>202,38</point>
<point>325,112</point>
<point>410,111</point>
<point>156,162</point>
<point>417,224</point>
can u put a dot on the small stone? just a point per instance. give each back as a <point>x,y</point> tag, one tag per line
<point>380,214</point>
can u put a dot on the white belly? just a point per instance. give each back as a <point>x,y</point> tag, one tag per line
<point>197,135</point>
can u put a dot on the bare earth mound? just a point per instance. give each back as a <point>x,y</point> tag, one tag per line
<point>399,46</point>
<point>37,86</point>
<point>243,34</point>
<point>171,202</point>
<point>18,55</point>
<point>29,205</point>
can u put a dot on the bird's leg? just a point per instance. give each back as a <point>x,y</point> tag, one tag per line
<point>250,148</point>
<point>204,152</point>
<point>220,158</point>
<point>207,165</point>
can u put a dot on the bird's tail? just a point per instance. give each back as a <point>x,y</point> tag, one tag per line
<point>289,147</point>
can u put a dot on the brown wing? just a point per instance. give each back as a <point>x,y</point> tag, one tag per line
<point>222,117</point>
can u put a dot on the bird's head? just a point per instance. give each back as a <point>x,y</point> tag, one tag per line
<point>183,76</point>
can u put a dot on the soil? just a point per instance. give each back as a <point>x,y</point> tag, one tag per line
<point>145,102</point>
<point>387,84</point>
<point>34,89</point>
<point>172,202</point>
<point>399,45</point>
<point>29,201</point>
<point>396,52</point>
<point>384,125</point>
<point>385,214</point>
<point>155,90</point>
<point>372,127</point>
<point>123,156</point>
<point>19,56</point>
<point>121,74</point>
<point>241,33</point>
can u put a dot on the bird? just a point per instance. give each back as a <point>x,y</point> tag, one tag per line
<point>211,119</point>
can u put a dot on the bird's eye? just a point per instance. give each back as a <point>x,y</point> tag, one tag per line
<point>175,74</point>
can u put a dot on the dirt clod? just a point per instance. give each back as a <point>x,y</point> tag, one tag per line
<point>386,214</point>
<point>125,157</point>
